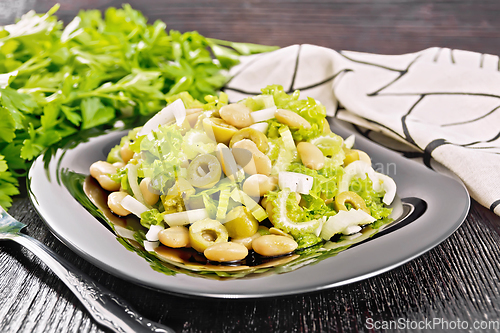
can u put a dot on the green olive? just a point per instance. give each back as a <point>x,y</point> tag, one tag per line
<point>350,197</point>
<point>204,171</point>
<point>218,129</point>
<point>241,223</point>
<point>351,155</point>
<point>205,233</point>
<point>257,137</point>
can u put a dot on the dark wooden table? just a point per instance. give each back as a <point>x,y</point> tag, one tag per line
<point>456,282</point>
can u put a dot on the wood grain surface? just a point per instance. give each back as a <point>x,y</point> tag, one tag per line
<point>382,26</point>
<point>457,280</point>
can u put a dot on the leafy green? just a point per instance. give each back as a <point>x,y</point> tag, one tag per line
<point>162,156</point>
<point>197,142</point>
<point>8,184</point>
<point>151,217</point>
<point>311,110</point>
<point>289,216</point>
<point>95,113</point>
<point>364,188</point>
<point>307,240</point>
<point>121,176</point>
<point>56,81</point>
<point>326,180</point>
<point>7,126</point>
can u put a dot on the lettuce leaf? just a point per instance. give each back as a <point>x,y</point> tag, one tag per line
<point>288,216</point>
<point>162,157</point>
<point>364,188</point>
<point>325,180</point>
<point>310,109</point>
<point>152,217</point>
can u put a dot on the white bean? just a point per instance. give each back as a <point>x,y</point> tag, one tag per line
<point>256,162</point>
<point>311,156</point>
<point>273,245</point>
<point>291,119</point>
<point>258,185</point>
<point>228,251</point>
<point>126,153</point>
<point>236,114</point>
<point>114,203</point>
<point>101,170</point>
<point>149,197</point>
<point>175,237</point>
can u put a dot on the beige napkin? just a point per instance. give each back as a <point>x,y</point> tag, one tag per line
<point>441,103</point>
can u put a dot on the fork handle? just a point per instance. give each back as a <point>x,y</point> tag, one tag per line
<point>104,306</point>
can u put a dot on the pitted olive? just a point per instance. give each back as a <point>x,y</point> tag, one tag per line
<point>257,137</point>
<point>351,155</point>
<point>353,199</point>
<point>241,223</point>
<point>204,171</point>
<point>219,130</point>
<point>205,233</point>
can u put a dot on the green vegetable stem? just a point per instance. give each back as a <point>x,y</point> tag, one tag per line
<point>56,81</point>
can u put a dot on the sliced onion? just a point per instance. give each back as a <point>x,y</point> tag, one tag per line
<point>357,169</point>
<point>344,219</point>
<point>186,217</point>
<point>124,232</point>
<point>263,115</point>
<point>349,141</point>
<point>201,172</point>
<point>166,115</point>
<point>152,234</point>
<point>132,205</point>
<point>389,187</point>
<point>151,246</point>
<point>261,127</point>
<point>353,236</point>
<point>179,111</point>
<point>134,182</point>
<point>352,229</point>
<point>322,220</point>
<point>296,182</point>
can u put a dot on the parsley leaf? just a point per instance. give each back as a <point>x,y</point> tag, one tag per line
<point>94,113</point>
<point>8,184</point>
<point>56,81</point>
<point>7,125</point>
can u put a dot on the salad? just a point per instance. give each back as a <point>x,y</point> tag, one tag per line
<point>227,187</point>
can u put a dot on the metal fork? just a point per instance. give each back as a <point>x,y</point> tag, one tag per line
<point>104,306</point>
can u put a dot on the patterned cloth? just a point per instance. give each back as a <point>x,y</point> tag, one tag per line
<point>440,103</point>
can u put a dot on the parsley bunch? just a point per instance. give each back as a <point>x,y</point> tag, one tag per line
<point>56,81</point>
